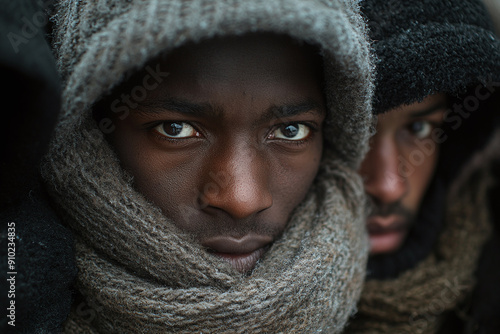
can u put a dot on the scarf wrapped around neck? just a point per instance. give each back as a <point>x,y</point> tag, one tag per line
<point>137,271</point>
<point>140,274</point>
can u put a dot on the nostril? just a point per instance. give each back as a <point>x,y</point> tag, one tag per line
<point>240,184</point>
<point>239,200</point>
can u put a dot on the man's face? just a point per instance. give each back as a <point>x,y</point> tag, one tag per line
<point>230,141</point>
<point>398,168</point>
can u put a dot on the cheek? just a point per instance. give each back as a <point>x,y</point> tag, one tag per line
<point>419,180</point>
<point>164,178</point>
<point>293,176</point>
<point>173,180</point>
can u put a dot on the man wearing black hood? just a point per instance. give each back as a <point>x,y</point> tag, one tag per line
<point>429,168</point>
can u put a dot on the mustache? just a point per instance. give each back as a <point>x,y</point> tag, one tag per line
<point>394,208</point>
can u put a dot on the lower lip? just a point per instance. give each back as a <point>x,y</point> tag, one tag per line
<point>242,262</point>
<point>386,242</point>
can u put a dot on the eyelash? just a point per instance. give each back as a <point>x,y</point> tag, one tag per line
<point>432,124</point>
<point>150,128</point>
<point>312,127</point>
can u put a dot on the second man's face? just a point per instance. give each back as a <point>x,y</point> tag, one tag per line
<point>230,142</point>
<point>399,167</point>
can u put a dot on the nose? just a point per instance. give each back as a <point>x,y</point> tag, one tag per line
<point>380,171</point>
<point>242,183</point>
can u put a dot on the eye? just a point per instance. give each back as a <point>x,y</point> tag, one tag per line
<point>420,129</point>
<point>292,131</point>
<point>176,130</point>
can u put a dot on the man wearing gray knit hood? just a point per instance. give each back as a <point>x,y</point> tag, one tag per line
<point>206,163</point>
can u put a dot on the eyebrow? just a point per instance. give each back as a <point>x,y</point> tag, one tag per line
<point>290,110</point>
<point>208,110</point>
<point>180,106</point>
<point>430,110</point>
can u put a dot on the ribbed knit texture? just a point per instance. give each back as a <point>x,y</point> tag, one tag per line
<point>95,39</point>
<point>138,272</point>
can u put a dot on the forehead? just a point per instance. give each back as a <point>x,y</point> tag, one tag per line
<point>249,55</point>
<point>265,64</point>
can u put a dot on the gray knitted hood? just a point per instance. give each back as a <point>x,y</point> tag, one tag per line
<point>136,268</point>
<point>94,40</point>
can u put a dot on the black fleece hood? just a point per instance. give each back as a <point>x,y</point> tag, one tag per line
<point>429,46</point>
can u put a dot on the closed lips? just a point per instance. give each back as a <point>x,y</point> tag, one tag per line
<point>241,253</point>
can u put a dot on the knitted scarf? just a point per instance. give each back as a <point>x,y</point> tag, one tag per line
<point>137,271</point>
<point>419,299</point>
